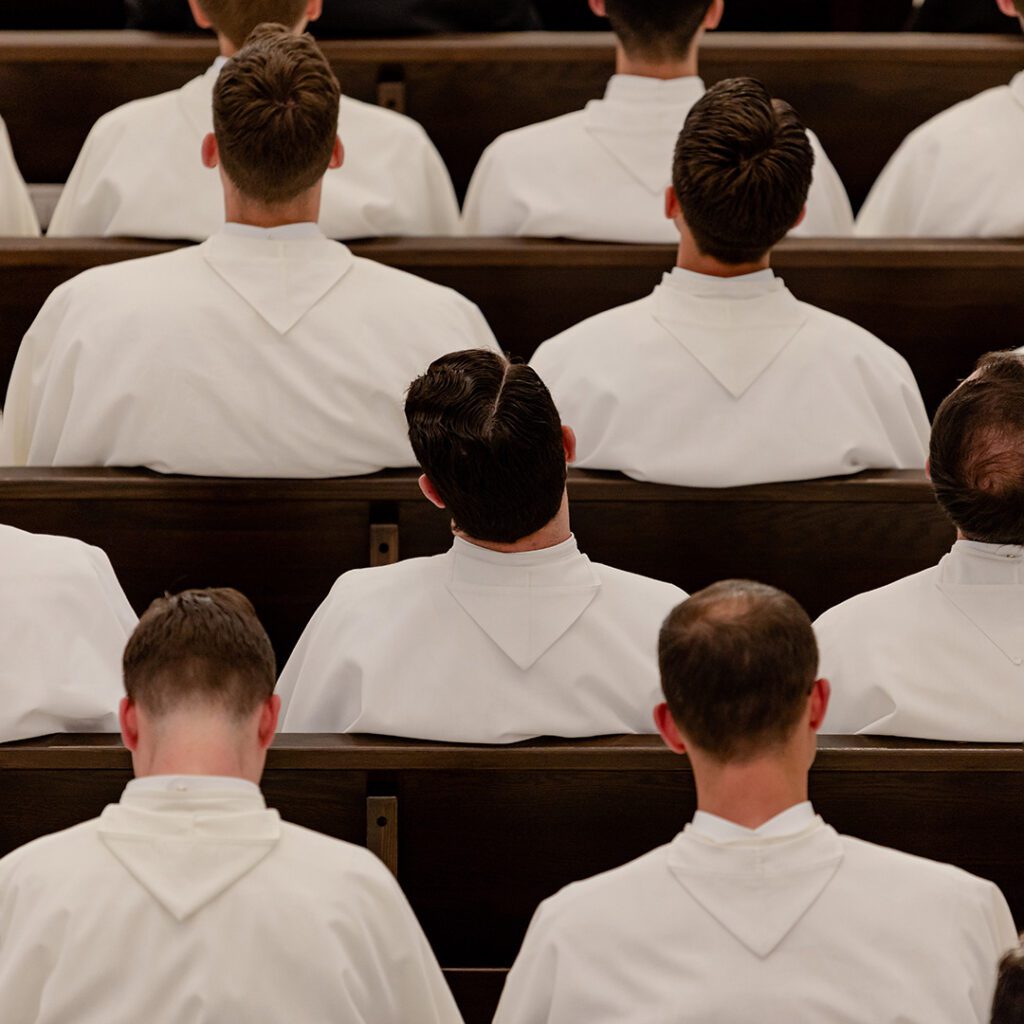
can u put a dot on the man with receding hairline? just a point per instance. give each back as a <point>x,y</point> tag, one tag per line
<point>140,172</point>
<point>600,173</point>
<point>189,900</point>
<point>940,654</point>
<point>758,910</point>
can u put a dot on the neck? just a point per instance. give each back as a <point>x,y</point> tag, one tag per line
<point>194,745</point>
<point>238,209</point>
<point>553,533</point>
<point>752,792</point>
<point>691,258</point>
<point>645,67</point>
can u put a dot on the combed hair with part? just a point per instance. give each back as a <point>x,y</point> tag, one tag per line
<point>976,456</point>
<point>656,30</point>
<point>200,647</point>
<point>1008,1002</point>
<point>275,115</point>
<point>236,19</point>
<point>486,432</point>
<point>738,663</point>
<point>742,170</point>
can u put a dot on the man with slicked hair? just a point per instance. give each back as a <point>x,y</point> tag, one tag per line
<point>140,171</point>
<point>514,632</point>
<point>600,173</point>
<point>190,900</point>
<point>266,351</point>
<point>758,910</point>
<point>721,377</point>
<point>940,654</point>
<point>1008,1003</point>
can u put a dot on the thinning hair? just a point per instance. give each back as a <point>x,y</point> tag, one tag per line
<point>236,19</point>
<point>1008,1001</point>
<point>976,456</point>
<point>200,648</point>
<point>738,662</point>
<point>488,436</point>
<point>656,30</point>
<point>275,115</point>
<point>742,171</point>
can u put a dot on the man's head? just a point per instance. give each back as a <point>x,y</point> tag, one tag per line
<point>491,444</point>
<point>658,31</point>
<point>738,669</point>
<point>741,173</point>
<point>275,118</point>
<point>234,20</point>
<point>199,665</point>
<point>977,452</point>
<point>1008,1003</point>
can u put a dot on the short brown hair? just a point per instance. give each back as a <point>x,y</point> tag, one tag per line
<point>275,114</point>
<point>656,29</point>
<point>236,19</point>
<point>738,662</point>
<point>200,646</point>
<point>742,171</point>
<point>976,455</point>
<point>1008,1002</point>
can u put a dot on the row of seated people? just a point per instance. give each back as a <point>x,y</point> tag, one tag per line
<point>595,174</point>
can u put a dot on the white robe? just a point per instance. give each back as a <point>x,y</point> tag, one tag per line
<point>17,214</point>
<point>809,926</point>
<point>937,655</point>
<point>140,174</point>
<point>713,382</point>
<point>281,355</point>
<point>190,903</point>
<point>600,173</point>
<point>477,646</point>
<point>957,175</point>
<point>64,621</point>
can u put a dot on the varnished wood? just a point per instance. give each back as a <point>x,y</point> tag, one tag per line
<point>382,830</point>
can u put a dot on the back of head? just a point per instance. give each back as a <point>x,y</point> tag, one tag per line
<point>488,435</point>
<point>656,31</point>
<point>977,452</point>
<point>275,115</point>
<point>1008,1004</point>
<point>738,662</point>
<point>742,171</point>
<point>236,19</point>
<point>200,649</point>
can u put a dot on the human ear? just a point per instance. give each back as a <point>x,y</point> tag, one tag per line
<point>430,492</point>
<point>210,151</point>
<point>668,730</point>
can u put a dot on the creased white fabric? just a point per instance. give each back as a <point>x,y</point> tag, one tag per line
<point>17,214</point>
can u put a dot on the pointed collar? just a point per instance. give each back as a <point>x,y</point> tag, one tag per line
<point>282,233</point>
<point>639,89</point>
<point>720,830</point>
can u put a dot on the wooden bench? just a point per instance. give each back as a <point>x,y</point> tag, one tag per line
<point>283,543</point>
<point>479,835</point>
<point>861,93</point>
<point>939,304</point>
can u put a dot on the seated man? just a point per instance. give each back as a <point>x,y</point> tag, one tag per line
<point>956,176</point>
<point>600,173</point>
<point>758,910</point>
<point>721,377</point>
<point>140,172</point>
<point>189,900</point>
<point>940,655</point>
<point>515,632</point>
<point>17,214</point>
<point>64,621</point>
<point>1008,1004</point>
<point>267,350</point>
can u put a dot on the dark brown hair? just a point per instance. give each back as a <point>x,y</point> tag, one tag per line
<point>275,114</point>
<point>742,171</point>
<point>236,19</point>
<point>738,661</point>
<point>656,30</point>
<point>1008,1002</point>
<point>977,452</point>
<point>200,646</point>
<point>488,435</point>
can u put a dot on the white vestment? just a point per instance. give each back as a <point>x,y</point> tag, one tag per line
<point>957,175</point>
<point>479,646</point>
<point>17,214</point>
<point>189,902</point>
<point>600,173</point>
<point>716,382</point>
<point>64,621</point>
<point>937,655</point>
<point>730,925</point>
<point>140,174</point>
<point>274,353</point>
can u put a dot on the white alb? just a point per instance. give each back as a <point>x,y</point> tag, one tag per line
<point>17,214</point>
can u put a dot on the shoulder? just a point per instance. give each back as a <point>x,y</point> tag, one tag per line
<point>849,341</point>
<point>140,112</point>
<point>981,114</point>
<point>380,275</point>
<point>604,333</point>
<point>634,587</point>
<point>875,608</point>
<point>321,855</point>
<point>48,857</point>
<point>385,581</point>
<point>42,552</point>
<point>370,116</point>
<point>527,143</point>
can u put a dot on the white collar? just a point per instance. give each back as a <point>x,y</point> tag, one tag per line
<point>972,562</point>
<point>760,282</point>
<point>1017,87</point>
<point>789,822</point>
<point>218,65</point>
<point>283,233</point>
<point>520,559</point>
<point>675,92</point>
<point>191,784</point>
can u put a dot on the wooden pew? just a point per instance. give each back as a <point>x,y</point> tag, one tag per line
<point>939,304</point>
<point>283,543</point>
<point>861,93</point>
<point>483,834</point>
